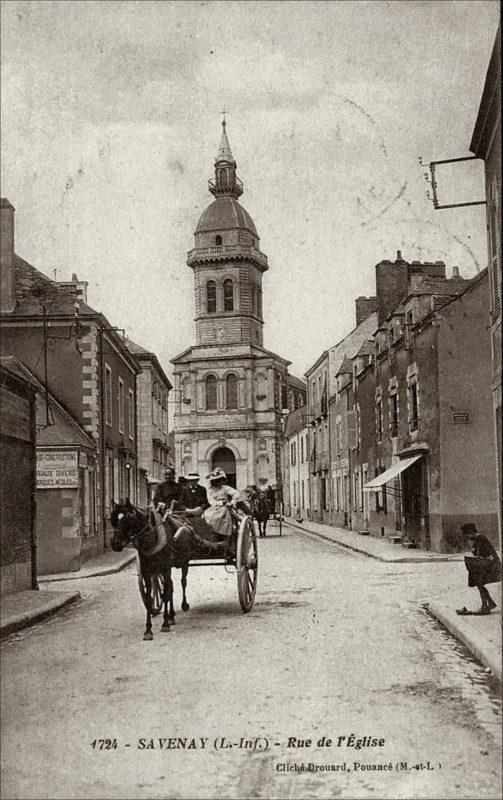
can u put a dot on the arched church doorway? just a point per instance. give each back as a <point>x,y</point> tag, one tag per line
<point>224,458</point>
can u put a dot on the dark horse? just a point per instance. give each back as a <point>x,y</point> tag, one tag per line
<point>260,506</point>
<point>154,539</point>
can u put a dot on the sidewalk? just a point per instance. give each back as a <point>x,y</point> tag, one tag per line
<point>105,564</point>
<point>25,608</point>
<point>481,635</point>
<point>381,549</point>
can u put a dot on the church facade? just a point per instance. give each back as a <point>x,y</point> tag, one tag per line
<point>230,390</point>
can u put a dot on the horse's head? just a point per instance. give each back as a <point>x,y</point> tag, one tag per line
<point>124,522</point>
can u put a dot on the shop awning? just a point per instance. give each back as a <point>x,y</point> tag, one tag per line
<point>389,474</point>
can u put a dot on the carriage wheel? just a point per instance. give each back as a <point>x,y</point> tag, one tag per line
<point>157,592</point>
<point>247,564</point>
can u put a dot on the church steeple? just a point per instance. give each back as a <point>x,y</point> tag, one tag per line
<point>226,183</point>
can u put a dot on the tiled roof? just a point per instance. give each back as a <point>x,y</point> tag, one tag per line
<point>34,289</point>
<point>136,349</point>
<point>140,353</point>
<point>368,348</point>
<point>346,368</point>
<point>295,421</point>
<point>446,287</point>
<point>293,381</point>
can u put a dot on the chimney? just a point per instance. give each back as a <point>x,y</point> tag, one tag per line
<point>8,277</point>
<point>455,272</point>
<point>392,281</point>
<point>364,307</point>
<point>79,287</point>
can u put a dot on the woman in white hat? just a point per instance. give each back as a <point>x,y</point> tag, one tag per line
<point>219,496</point>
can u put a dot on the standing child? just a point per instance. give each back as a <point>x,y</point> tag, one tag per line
<point>484,567</point>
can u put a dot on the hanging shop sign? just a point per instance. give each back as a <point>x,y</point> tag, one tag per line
<point>57,469</point>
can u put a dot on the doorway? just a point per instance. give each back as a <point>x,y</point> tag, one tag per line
<point>224,458</point>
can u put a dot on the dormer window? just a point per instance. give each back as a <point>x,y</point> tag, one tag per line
<point>218,240</point>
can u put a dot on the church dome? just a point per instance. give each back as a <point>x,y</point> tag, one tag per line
<point>223,214</point>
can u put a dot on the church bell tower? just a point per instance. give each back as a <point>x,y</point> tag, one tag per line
<point>227,262</point>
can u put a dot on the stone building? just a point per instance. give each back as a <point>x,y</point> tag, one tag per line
<point>295,460</point>
<point>229,389</point>
<point>65,465</point>
<point>435,464</point>
<point>486,144</point>
<point>18,542</point>
<point>82,360</point>
<point>325,465</point>
<point>152,389</point>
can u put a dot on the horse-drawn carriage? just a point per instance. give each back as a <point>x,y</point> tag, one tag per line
<point>172,541</point>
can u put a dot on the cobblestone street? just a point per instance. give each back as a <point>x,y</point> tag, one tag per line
<point>336,646</point>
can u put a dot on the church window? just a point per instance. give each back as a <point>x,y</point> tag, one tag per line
<point>211,297</point>
<point>259,301</point>
<point>231,385</point>
<point>211,393</point>
<point>218,240</point>
<point>228,295</point>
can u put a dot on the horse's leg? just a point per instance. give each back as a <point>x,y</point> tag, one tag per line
<point>171,615</point>
<point>185,605</point>
<point>148,635</point>
<point>166,596</point>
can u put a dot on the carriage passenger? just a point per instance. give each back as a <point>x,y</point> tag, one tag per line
<point>168,491</point>
<point>193,498</point>
<point>220,495</point>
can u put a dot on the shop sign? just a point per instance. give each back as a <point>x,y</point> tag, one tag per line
<point>57,470</point>
<point>461,417</point>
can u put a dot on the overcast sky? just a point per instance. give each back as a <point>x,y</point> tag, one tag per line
<point>111,123</point>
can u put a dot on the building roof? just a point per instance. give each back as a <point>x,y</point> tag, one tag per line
<point>295,421</point>
<point>442,287</point>
<point>225,213</point>
<point>293,381</point>
<point>34,290</point>
<point>444,302</point>
<point>214,352</point>
<point>346,368</point>
<point>368,348</point>
<point>142,355</point>
<point>64,430</point>
<point>136,349</point>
